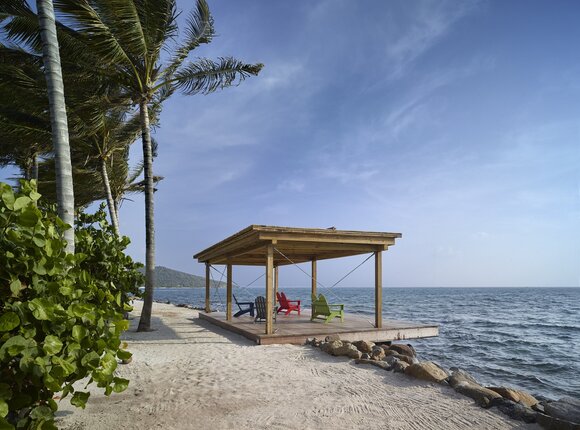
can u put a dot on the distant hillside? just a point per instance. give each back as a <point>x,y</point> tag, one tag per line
<point>165,277</point>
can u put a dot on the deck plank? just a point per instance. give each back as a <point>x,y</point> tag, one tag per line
<point>296,329</point>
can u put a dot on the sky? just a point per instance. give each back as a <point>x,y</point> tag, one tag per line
<point>454,123</point>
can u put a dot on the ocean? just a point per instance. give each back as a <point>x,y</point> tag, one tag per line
<point>525,338</point>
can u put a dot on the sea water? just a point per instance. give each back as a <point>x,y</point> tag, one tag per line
<point>526,338</point>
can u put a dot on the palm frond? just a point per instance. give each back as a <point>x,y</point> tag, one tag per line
<point>199,31</point>
<point>206,76</point>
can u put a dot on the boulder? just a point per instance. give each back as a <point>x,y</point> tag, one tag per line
<point>399,366</point>
<point>514,410</point>
<point>516,395</point>
<point>391,359</point>
<point>482,396</point>
<point>552,423</point>
<point>458,376</point>
<point>347,350</point>
<point>330,347</point>
<point>331,338</point>
<point>380,364</point>
<point>427,371</point>
<point>407,350</point>
<point>364,346</point>
<point>566,409</point>
<point>377,353</point>
<point>366,356</point>
<point>405,358</point>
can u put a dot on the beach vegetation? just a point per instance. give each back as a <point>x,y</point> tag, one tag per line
<point>61,314</point>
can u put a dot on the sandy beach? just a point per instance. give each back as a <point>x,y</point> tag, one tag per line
<point>188,374</point>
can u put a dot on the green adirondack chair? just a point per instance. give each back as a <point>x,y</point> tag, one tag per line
<point>321,309</point>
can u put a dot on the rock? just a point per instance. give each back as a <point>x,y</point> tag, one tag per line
<point>332,338</point>
<point>399,348</point>
<point>364,346</point>
<point>405,358</point>
<point>380,364</point>
<point>366,356</point>
<point>391,359</point>
<point>566,409</point>
<point>377,353</point>
<point>347,350</point>
<point>516,395</point>
<point>514,410</point>
<point>399,367</point>
<point>458,376</point>
<point>551,423</point>
<point>427,371</point>
<point>482,396</point>
<point>330,347</point>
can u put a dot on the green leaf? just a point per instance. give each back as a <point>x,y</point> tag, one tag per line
<point>3,408</point>
<point>15,286</point>
<point>38,240</point>
<point>91,360</point>
<point>41,413</point>
<point>52,345</point>
<point>21,202</point>
<point>8,197</point>
<point>120,384</point>
<point>42,309</point>
<point>9,321</point>
<point>79,399</point>
<point>34,195</point>
<point>29,217</point>
<point>109,363</point>
<point>66,366</point>
<point>5,391</point>
<point>79,332</point>
<point>124,355</point>
<point>14,346</point>
<point>5,425</point>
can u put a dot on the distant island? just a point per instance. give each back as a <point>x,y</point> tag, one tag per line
<point>166,277</point>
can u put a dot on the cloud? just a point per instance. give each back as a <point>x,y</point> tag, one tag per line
<point>291,185</point>
<point>430,21</point>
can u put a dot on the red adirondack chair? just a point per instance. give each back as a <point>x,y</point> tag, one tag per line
<point>287,305</point>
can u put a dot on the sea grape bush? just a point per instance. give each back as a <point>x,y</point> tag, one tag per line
<point>61,315</point>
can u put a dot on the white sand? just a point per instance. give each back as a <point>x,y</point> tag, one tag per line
<point>191,375</point>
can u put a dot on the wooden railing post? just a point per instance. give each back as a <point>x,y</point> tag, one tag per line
<point>229,294</point>
<point>313,282</point>
<point>207,287</point>
<point>269,288</point>
<point>378,290</point>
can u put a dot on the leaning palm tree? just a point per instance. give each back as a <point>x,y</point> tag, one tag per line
<point>53,72</point>
<point>128,36</point>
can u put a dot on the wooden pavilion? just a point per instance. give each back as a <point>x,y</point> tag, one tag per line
<point>272,247</point>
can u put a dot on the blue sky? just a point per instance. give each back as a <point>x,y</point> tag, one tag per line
<point>454,123</point>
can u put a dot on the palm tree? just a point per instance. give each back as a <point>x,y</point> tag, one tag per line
<point>53,72</point>
<point>128,37</point>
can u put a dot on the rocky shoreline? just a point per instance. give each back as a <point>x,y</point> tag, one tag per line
<point>562,414</point>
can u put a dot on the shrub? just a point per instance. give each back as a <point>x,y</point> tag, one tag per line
<point>61,315</point>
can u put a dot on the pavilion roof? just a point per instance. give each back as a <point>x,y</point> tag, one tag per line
<point>293,245</point>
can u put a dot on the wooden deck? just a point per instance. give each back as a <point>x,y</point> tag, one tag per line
<point>296,329</point>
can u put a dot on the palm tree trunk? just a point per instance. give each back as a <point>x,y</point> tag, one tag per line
<point>110,204</point>
<point>59,125</point>
<point>145,321</point>
<point>35,167</point>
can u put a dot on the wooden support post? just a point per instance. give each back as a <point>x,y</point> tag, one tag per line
<point>207,287</point>
<point>378,290</point>
<point>275,284</point>
<point>313,280</point>
<point>269,288</point>
<point>229,294</point>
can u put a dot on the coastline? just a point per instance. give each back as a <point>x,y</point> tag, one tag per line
<point>188,374</point>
